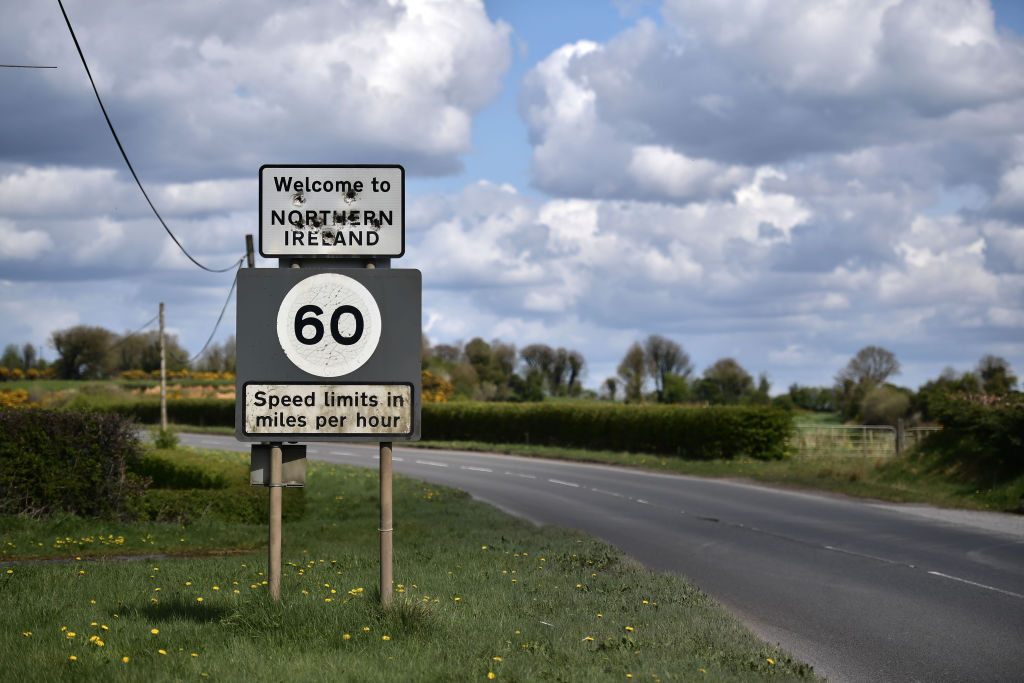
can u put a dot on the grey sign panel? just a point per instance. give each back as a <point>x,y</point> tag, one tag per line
<point>328,354</point>
<point>332,211</point>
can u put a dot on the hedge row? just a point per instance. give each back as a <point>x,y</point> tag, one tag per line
<point>983,435</point>
<point>92,465</point>
<point>203,412</point>
<point>61,461</point>
<point>692,432</point>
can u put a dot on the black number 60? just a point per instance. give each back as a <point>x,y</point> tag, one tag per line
<point>302,322</point>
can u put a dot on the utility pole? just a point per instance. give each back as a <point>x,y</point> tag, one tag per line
<point>163,373</point>
<point>250,258</point>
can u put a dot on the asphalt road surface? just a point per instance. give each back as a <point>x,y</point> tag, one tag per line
<point>862,591</point>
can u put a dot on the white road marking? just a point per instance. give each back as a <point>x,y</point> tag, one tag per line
<point>475,469</point>
<point>642,501</point>
<point>396,459</point>
<point>524,476</point>
<point>978,585</point>
<point>610,493</point>
<point>351,455</point>
<point>564,483</point>
<point>431,463</point>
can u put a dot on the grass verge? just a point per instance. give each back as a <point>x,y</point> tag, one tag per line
<point>479,596</point>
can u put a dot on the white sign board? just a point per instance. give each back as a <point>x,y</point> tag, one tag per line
<point>325,410</point>
<point>332,211</point>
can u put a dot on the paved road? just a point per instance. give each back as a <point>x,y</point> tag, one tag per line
<point>864,592</point>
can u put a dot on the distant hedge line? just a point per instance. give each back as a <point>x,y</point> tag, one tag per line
<point>693,432</point>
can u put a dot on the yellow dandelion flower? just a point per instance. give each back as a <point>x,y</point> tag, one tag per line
<point>216,588</point>
<point>104,626</point>
<point>99,643</point>
<point>385,637</point>
<point>154,631</point>
<point>195,654</point>
<point>188,583</point>
<point>27,634</point>
<point>125,659</point>
<point>490,675</point>
<point>346,637</point>
<point>70,635</point>
<point>73,658</point>
<point>163,652</point>
<point>199,599</point>
<point>497,659</point>
<point>629,628</point>
<point>770,661</point>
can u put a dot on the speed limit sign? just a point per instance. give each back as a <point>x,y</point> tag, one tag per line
<point>328,324</point>
<point>328,354</point>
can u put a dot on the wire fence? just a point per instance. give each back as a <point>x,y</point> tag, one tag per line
<point>853,441</point>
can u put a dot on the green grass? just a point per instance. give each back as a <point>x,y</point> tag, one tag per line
<point>476,592</point>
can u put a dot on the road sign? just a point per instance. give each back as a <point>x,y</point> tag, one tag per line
<point>332,211</point>
<point>328,355</point>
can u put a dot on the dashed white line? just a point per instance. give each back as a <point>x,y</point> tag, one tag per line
<point>610,493</point>
<point>524,476</point>
<point>397,459</point>
<point>564,483</point>
<point>978,585</point>
<point>642,501</point>
<point>475,469</point>
<point>431,463</point>
<point>351,455</point>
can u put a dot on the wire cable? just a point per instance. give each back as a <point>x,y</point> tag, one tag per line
<point>125,155</point>
<point>25,66</point>
<point>132,334</point>
<point>220,317</point>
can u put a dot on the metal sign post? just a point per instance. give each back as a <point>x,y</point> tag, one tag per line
<point>330,340</point>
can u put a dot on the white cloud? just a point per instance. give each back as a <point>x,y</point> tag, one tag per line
<point>22,245</point>
<point>227,86</point>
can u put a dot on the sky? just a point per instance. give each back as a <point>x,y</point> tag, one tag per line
<point>781,182</point>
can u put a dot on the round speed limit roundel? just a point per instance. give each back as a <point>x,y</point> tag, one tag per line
<point>328,325</point>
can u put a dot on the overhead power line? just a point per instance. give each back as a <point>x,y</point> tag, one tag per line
<point>216,325</point>
<point>125,155</point>
<point>132,334</point>
<point>25,66</point>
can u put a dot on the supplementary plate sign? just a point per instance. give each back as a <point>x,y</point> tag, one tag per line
<point>332,211</point>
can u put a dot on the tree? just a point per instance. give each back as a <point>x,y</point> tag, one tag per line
<point>11,358</point>
<point>611,385</point>
<point>29,357</point>
<point>83,352</point>
<point>141,351</point>
<point>577,366</point>
<point>996,376</point>
<point>633,372</point>
<point>218,357</point>
<point>665,357</point>
<point>725,382</point>
<point>884,405</point>
<point>868,369</point>
<point>872,364</point>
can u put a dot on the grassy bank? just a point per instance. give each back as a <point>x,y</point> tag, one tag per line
<point>479,596</point>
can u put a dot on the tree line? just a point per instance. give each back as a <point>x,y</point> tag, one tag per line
<point>91,352</point>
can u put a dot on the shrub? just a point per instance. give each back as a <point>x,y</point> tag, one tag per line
<point>53,461</point>
<point>165,438</point>
<point>692,432</point>
<point>982,435</point>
